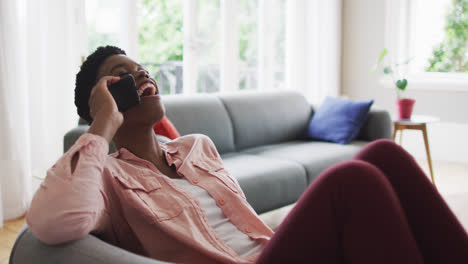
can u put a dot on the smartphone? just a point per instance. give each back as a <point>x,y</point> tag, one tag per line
<point>125,93</point>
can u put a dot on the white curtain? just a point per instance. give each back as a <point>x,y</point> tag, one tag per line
<point>271,52</point>
<point>14,154</point>
<point>40,50</point>
<point>128,26</point>
<point>203,47</point>
<point>397,28</point>
<point>312,52</point>
<point>313,47</point>
<point>229,72</point>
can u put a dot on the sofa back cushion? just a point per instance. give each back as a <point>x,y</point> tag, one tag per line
<point>202,114</point>
<point>261,118</point>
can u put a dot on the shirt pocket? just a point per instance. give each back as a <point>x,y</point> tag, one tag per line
<point>215,169</point>
<point>162,204</point>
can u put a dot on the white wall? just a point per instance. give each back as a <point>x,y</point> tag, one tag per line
<point>363,40</point>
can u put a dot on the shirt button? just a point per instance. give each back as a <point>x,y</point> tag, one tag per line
<point>222,202</point>
<point>195,181</point>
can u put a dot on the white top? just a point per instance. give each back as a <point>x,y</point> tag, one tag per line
<point>241,243</point>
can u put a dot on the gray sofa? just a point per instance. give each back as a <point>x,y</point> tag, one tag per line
<point>260,138</point>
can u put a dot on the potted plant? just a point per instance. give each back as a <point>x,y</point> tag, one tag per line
<point>404,105</point>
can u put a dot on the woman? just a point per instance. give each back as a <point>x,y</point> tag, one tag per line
<point>175,202</point>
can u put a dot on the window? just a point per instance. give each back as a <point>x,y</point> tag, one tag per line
<point>160,42</point>
<point>193,46</point>
<point>262,26</point>
<point>102,18</point>
<point>208,45</point>
<point>438,35</point>
<point>279,41</point>
<point>248,44</point>
<point>432,35</point>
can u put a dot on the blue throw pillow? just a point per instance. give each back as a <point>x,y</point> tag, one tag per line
<point>338,120</point>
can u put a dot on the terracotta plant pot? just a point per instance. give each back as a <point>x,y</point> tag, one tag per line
<point>405,108</point>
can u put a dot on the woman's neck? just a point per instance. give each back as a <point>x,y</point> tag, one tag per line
<point>142,142</point>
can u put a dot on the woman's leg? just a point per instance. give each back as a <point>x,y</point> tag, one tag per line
<point>349,214</point>
<point>439,235</point>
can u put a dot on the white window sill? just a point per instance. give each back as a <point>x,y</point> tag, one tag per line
<point>451,82</point>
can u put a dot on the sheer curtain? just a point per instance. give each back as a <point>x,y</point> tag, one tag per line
<point>313,47</point>
<point>292,44</point>
<point>40,49</point>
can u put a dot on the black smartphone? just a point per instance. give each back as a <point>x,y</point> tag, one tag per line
<point>125,93</point>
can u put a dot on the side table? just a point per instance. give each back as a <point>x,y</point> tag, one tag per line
<point>417,122</point>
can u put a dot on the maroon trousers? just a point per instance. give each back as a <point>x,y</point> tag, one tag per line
<point>378,208</point>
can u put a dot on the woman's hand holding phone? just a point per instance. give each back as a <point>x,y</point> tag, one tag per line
<point>103,109</point>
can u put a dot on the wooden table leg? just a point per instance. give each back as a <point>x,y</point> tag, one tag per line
<point>397,128</point>
<point>400,138</point>
<point>428,152</point>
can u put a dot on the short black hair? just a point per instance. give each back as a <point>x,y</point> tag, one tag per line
<point>86,78</point>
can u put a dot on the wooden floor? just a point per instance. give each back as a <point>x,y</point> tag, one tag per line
<point>450,178</point>
<point>7,237</point>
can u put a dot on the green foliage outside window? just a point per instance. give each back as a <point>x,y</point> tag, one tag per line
<point>160,40</point>
<point>160,32</point>
<point>452,55</point>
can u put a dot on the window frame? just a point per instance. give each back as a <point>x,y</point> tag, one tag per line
<point>397,30</point>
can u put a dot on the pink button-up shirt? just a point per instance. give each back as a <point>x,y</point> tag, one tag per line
<point>128,202</point>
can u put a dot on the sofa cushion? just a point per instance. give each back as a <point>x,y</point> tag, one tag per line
<point>338,120</point>
<point>201,114</point>
<point>268,183</point>
<point>261,118</point>
<point>166,128</point>
<point>313,155</point>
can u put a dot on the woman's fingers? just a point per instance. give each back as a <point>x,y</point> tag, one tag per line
<point>112,79</point>
<point>100,97</point>
<point>105,82</point>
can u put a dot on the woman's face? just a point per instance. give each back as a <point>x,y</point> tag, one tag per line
<point>150,110</point>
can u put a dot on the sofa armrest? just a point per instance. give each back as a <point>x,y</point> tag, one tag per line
<point>91,250</point>
<point>71,136</point>
<point>378,125</point>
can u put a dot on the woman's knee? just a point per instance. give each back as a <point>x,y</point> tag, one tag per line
<point>383,145</point>
<point>382,149</point>
<point>349,186</point>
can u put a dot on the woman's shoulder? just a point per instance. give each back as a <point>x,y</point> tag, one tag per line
<point>190,139</point>
<point>189,143</point>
